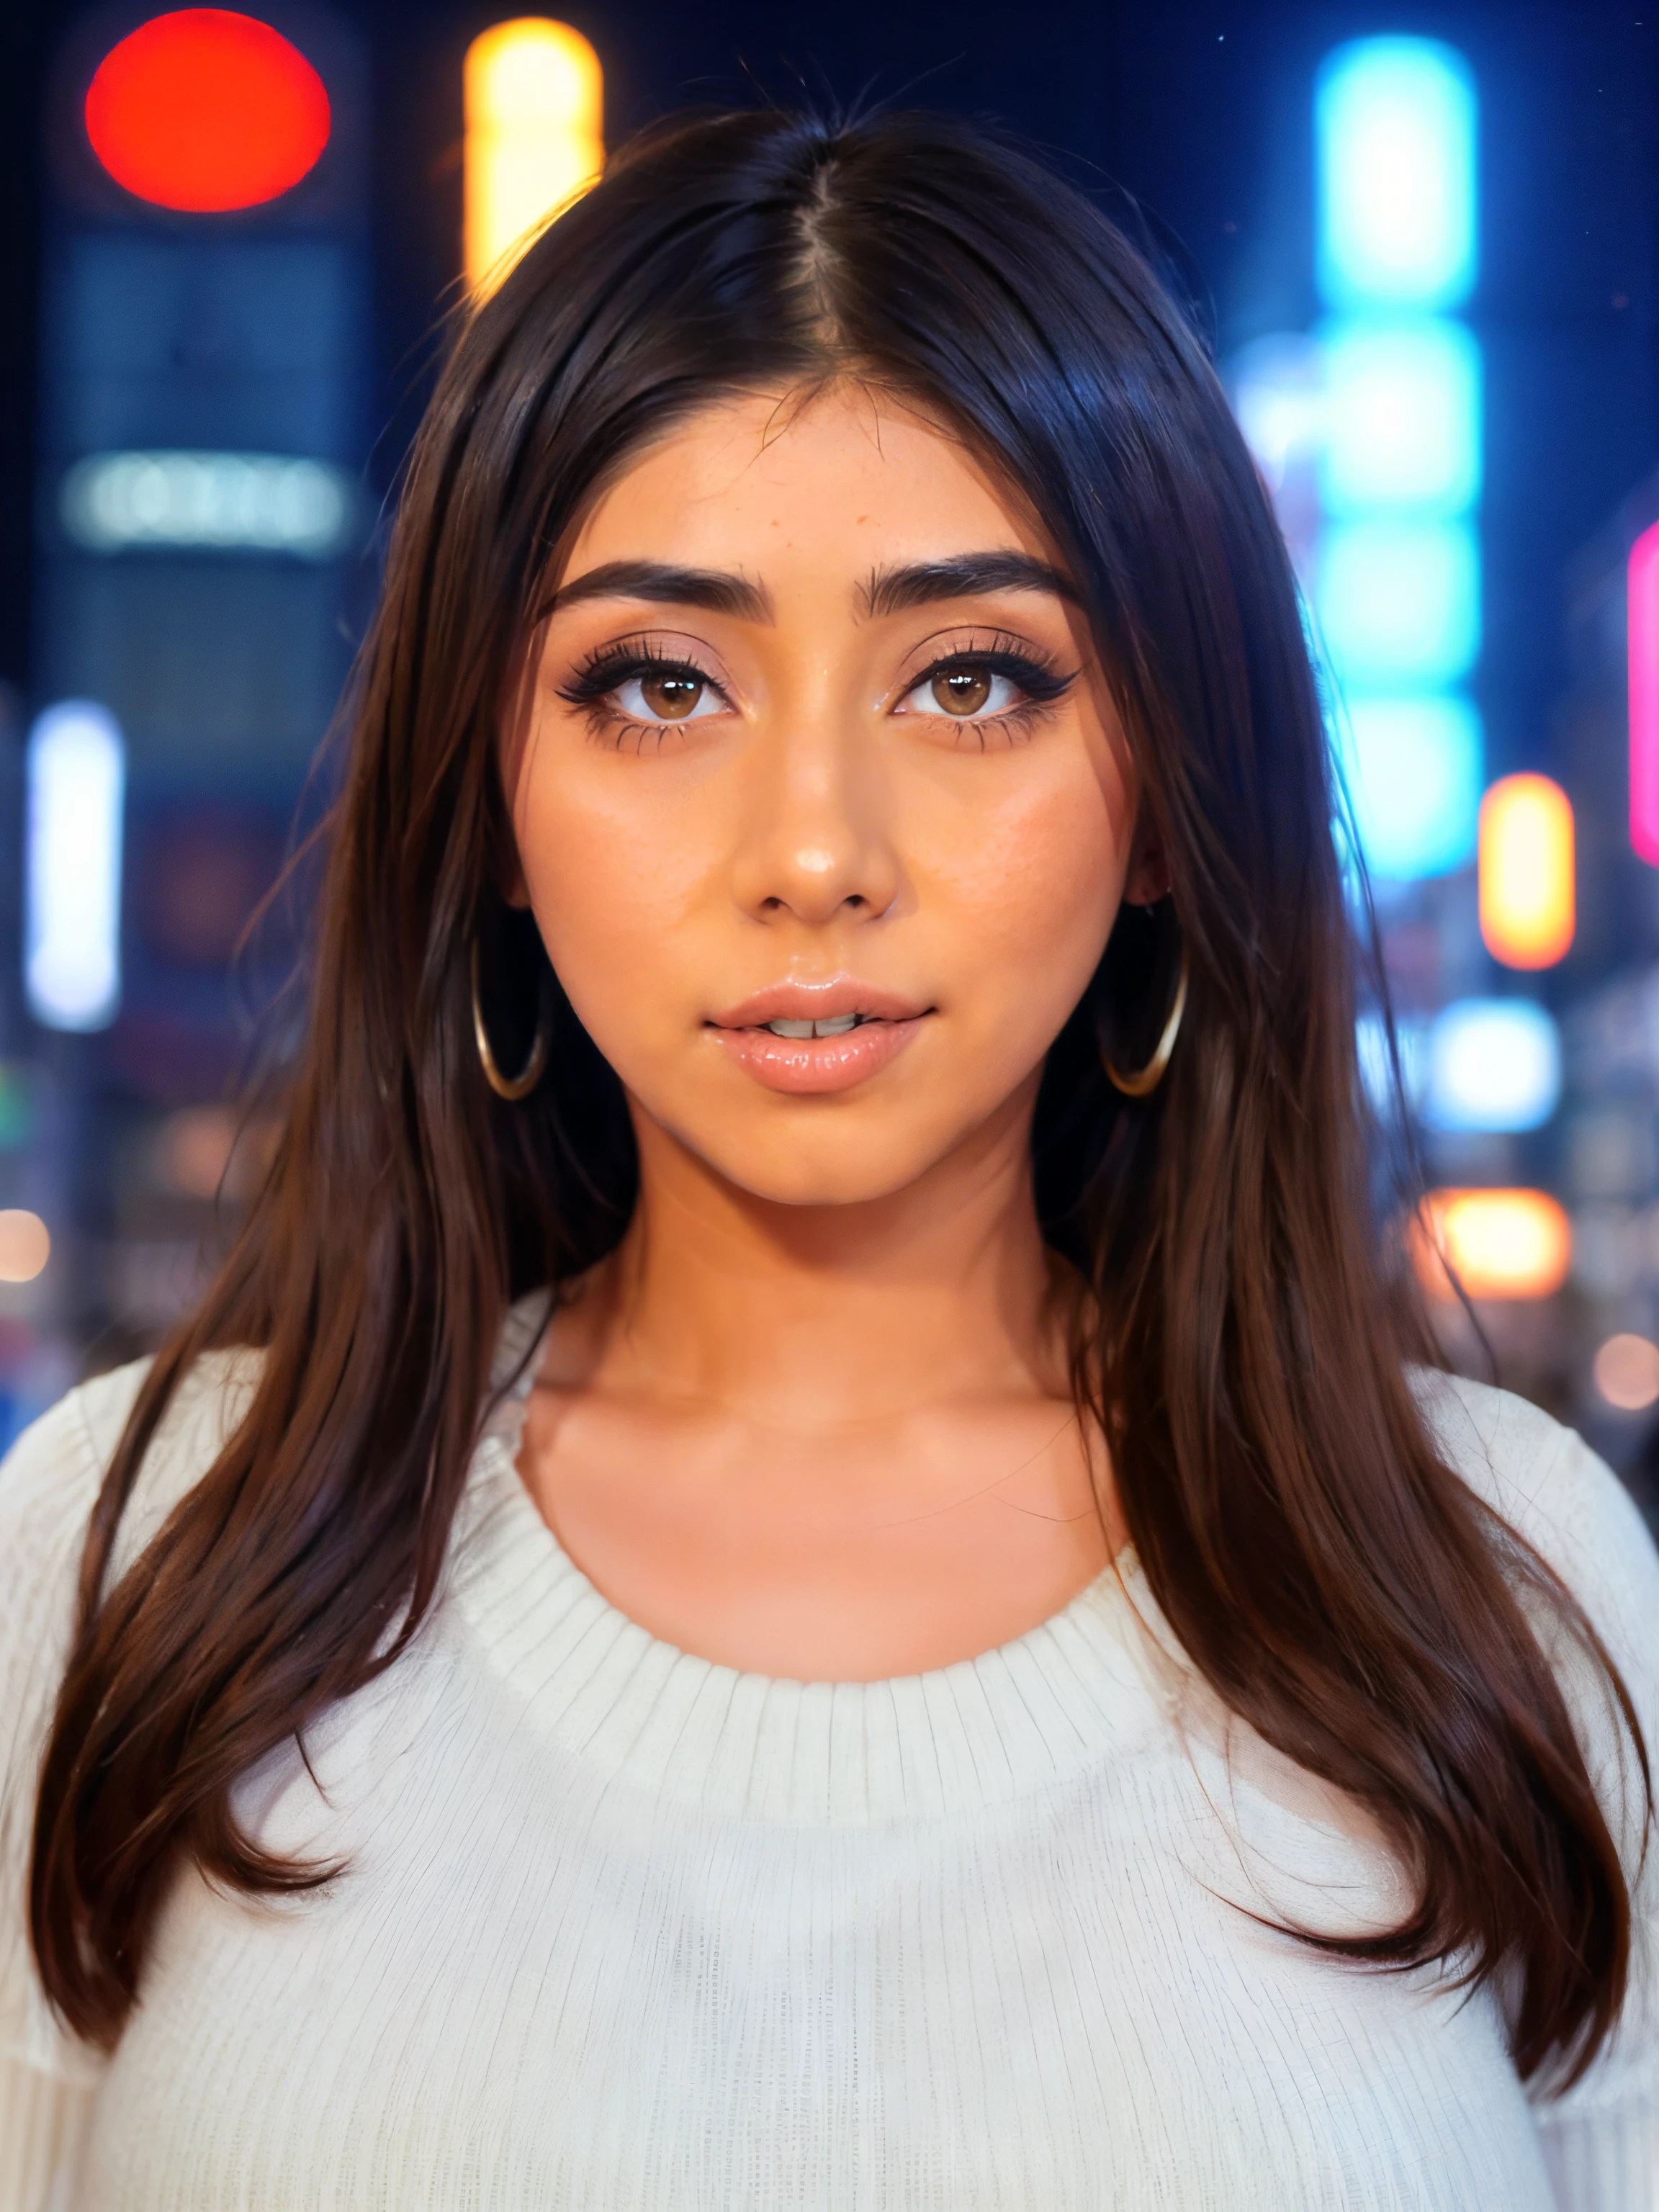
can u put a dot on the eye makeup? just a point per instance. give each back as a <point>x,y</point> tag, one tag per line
<point>670,685</point>
<point>1001,687</point>
<point>633,690</point>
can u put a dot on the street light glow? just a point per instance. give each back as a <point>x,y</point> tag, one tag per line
<point>533,97</point>
<point>1395,121</point>
<point>1413,767</point>
<point>1493,1063</point>
<point>1528,895</point>
<point>205,110</point>
<point>1396,586</point>
<point>208,503</point>
<point>76,772</point>
<point>25,1245</point>
<point>1399,602</point>
<point>1498,1243</point>
<point>1402,417</point>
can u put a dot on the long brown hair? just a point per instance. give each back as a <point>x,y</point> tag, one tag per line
<point>1246,1352</point>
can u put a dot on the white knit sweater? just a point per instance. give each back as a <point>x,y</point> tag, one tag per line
<point>625,1929</point>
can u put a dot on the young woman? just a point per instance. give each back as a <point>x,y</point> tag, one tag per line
<point>806,1556</point>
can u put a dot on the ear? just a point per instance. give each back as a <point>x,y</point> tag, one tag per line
<point>1148,878</point>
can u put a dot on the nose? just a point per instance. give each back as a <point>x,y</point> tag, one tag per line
<point>815,844</point>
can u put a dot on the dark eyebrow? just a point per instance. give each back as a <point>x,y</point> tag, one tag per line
<point>890,591</point>
<point>665,585</point>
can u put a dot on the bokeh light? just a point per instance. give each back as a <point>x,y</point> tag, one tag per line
<point>1498,1243</point>
<point>25,1245</point>
<point>1626,1372</point>
<point>533,98</point>
<point>1642,634</point>
<point>219,503</point>
<point>1399,602</point>
<point>205,110</point>
<point>1493,1063</point>
<point>1403,418</point>
<point>1396,582</point>
<point>1528,893</point>
<point>1394,123</point>
<point>76,772</point>
<point>1413,767</point>
<point>193,1149</point>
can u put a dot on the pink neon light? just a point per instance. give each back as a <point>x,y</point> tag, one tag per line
<point>1643,631</point>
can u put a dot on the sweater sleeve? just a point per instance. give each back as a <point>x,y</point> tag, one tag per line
<point>1600,2140</point>
<point>48,1483</point>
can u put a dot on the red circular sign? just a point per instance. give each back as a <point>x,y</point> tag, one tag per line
<point>206,110</point>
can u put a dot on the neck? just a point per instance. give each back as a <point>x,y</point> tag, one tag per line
<point>827,1317</point>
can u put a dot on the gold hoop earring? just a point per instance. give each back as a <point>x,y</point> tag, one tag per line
<point>512,1088</point>
<point>1145,1081</point>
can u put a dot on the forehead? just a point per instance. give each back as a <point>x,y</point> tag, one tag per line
<point>770,478</point>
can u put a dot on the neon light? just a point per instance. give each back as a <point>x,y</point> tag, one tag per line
<point>206,110</point>
<point>1395,121</point>
<point>1527,889</point>
<point>1397,592</point>
<point>533,96</point>
<point>1626,1372</point>
<point>1642,582</point>
<point>212,502</point>
<point>1403,418</point>
<point>1413,767</point>
<point>1399,604</point>
<point>1493,1063</point>
<point>1498,1243</point>
<point>25,1245</point>
<point>72,927</point>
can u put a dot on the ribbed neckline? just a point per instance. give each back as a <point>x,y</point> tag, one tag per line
<point>1086,1684</point>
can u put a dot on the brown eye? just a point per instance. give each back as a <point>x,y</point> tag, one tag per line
<point>671,693</point>
<point>961,690</point>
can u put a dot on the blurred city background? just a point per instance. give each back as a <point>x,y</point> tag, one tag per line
<point>1424,242</point>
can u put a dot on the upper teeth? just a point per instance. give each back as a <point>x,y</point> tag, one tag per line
<point>835,1025</point>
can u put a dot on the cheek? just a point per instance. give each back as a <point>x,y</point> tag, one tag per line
<point>1033,893</point>
<point>611,874</point>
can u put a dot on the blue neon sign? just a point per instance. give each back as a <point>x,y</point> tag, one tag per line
<point>1394,126</point>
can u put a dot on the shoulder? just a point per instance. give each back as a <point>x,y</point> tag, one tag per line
<point>49,1484</point>
<point>50,1479</point>
<point>1546,1483</point>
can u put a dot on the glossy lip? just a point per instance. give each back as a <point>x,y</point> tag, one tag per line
<point>819,1002</point>
<point>811,1067</point>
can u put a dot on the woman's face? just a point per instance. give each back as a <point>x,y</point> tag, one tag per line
<point>821,804</point>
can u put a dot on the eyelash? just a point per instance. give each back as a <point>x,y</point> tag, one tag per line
<point>1039,680</point>
<point>611,667</point>
<point>607,669</point>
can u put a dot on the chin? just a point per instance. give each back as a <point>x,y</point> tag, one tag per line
<point>796,1167</point>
